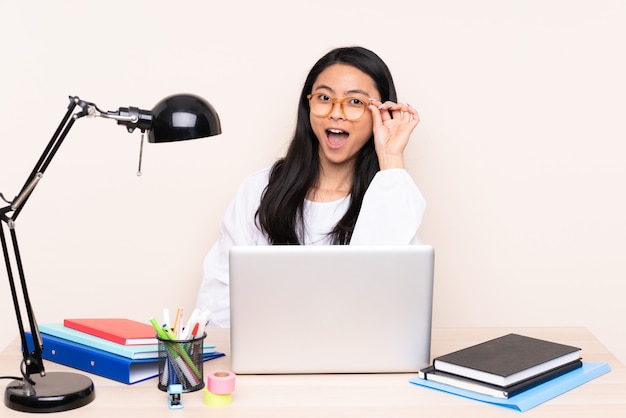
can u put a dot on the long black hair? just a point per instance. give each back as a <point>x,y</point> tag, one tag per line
<point>280,213</point>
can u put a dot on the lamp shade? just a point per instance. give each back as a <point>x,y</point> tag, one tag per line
<point>183,116</point>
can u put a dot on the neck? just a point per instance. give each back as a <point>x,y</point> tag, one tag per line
<point>333,183</point>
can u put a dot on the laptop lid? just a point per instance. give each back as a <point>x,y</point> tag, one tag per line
<point>330,309</point>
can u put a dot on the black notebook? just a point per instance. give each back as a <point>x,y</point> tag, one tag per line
<point>507,360</point>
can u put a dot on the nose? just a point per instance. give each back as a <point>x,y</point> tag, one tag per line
<point>336,111</point>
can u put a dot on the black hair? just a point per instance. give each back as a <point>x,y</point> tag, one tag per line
<point>280,213</point>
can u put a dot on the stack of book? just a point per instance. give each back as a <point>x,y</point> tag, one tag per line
<point>116,348</point>
<point>510,368</point>
<point>505,366</point>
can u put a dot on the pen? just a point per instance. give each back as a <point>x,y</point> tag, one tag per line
<point>186,334</point>
<point>179,313</point>
<point>194,332</point>
<point>170,334</point>
<point>203,321</point>
<point>159,330</point>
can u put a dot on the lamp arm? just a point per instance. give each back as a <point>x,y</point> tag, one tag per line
<point>32,360</point>
<point>52,147</point>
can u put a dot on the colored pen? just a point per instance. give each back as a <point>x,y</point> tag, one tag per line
<point>194,332</point>
<point>159,330</point>
<point>203,321</point>
<point>179,313</point>
<point>186,334</point>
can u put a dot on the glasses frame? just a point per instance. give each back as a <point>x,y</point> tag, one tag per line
<point>335,100</point>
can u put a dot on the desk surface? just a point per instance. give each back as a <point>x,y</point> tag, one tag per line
<point>381,395</point>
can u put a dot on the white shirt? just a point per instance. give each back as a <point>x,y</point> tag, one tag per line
<point>391,213</point>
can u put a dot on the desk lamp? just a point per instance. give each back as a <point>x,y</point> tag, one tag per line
<point>175,118</point>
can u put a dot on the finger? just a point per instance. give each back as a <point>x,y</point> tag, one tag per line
<point>414,115</point>
<point>403,114</point>
<point>399,110</point>
<point>403,107</point>
<point>388,105</point>
<point>383,108</point>
<point>376,116</point>
<point>406,112</point>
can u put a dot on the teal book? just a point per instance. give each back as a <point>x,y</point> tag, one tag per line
<point>531,397</point>
<point>134,352</point>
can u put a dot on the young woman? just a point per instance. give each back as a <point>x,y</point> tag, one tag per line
<point>342,180</point>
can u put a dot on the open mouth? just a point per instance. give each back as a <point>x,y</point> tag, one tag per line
<point>336,137</point>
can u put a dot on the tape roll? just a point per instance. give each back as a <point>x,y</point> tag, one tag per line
<point>221,382</point>
<point>214,399</point>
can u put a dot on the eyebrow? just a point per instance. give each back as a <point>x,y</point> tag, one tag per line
<point>354,91</point>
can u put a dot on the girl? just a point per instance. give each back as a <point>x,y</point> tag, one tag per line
<point>342,180</point>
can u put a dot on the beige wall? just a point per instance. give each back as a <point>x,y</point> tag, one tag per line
<point>521,152</point>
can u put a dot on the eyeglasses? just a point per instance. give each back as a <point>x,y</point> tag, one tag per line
<point>352,108</point>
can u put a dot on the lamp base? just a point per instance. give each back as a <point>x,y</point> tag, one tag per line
<point>54,392</point>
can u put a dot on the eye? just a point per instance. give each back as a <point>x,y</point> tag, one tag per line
<point>356,102</point>
<point>323,97</point>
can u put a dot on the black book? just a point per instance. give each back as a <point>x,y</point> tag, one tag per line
<point>507,360</point>
<point>505,392</point>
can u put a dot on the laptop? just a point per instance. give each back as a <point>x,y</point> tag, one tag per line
<point>330,309</point>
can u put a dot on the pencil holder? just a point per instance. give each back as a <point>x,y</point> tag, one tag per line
<point>180,362</point>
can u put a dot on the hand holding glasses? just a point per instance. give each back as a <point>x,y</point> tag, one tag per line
<point>353,108</point>
<point>392,126</point>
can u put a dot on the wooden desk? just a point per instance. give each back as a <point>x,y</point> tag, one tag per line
<point>330,396</point>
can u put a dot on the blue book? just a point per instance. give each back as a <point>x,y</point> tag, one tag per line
<point>531,397</point>
<point>135,352</point>
<point>100,362</point>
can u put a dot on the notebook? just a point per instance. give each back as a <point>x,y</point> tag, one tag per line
<point>330,309</point>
